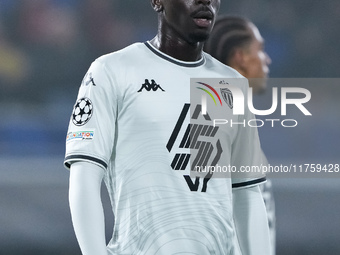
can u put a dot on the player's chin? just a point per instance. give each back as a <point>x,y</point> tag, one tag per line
<point>200,36</point>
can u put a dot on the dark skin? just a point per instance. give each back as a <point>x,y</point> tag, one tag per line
<point>184,26</point>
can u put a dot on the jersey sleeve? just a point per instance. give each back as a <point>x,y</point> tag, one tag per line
<point>91,130</point>
<point>247,156</point>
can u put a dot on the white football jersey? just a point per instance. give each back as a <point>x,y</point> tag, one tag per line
<point>134,118</point>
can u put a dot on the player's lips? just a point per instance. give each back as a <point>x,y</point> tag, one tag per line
<point>203,18</point>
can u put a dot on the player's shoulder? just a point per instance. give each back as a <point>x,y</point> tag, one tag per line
<point>111,68</point>
<point>123,55</point>
<point>221,68</point>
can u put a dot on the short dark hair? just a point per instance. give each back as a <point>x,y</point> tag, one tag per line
<point>229,33</point>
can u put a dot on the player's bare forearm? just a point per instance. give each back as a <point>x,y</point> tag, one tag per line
<point>86,207</point>
<point>251,221</point>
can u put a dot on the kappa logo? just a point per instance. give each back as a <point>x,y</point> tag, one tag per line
<point>88,79</point>
<point>150,86</point>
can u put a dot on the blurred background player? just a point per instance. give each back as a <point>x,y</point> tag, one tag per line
<point>237,42</point>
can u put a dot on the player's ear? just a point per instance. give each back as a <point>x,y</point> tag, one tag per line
<point>157,5</point>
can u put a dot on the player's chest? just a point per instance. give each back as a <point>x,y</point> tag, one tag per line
<point>176,102</point>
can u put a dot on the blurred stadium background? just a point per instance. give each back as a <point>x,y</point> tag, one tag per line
<point>46,47</point>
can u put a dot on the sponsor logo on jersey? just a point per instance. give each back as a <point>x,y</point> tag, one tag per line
<point>79,135</point>
<point>82,112</point>
<point>88,80</point>
<point>150,86</point>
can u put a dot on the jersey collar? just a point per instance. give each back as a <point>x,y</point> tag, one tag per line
<point>174,60</point>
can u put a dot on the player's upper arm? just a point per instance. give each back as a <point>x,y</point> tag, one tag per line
<point>91,131</point>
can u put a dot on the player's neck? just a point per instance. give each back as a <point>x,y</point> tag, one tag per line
<point>177,48</point>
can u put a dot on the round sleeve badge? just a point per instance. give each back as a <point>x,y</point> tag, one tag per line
<point>82,112</point>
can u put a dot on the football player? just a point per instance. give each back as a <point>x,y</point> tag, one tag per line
<point>127,128</point>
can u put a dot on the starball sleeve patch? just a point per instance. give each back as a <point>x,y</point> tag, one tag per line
<point>82,112</point>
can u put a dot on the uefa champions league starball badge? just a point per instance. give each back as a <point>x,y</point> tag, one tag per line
<point>82,112</point>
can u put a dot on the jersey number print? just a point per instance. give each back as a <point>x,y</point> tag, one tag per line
<point>208,152</point>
